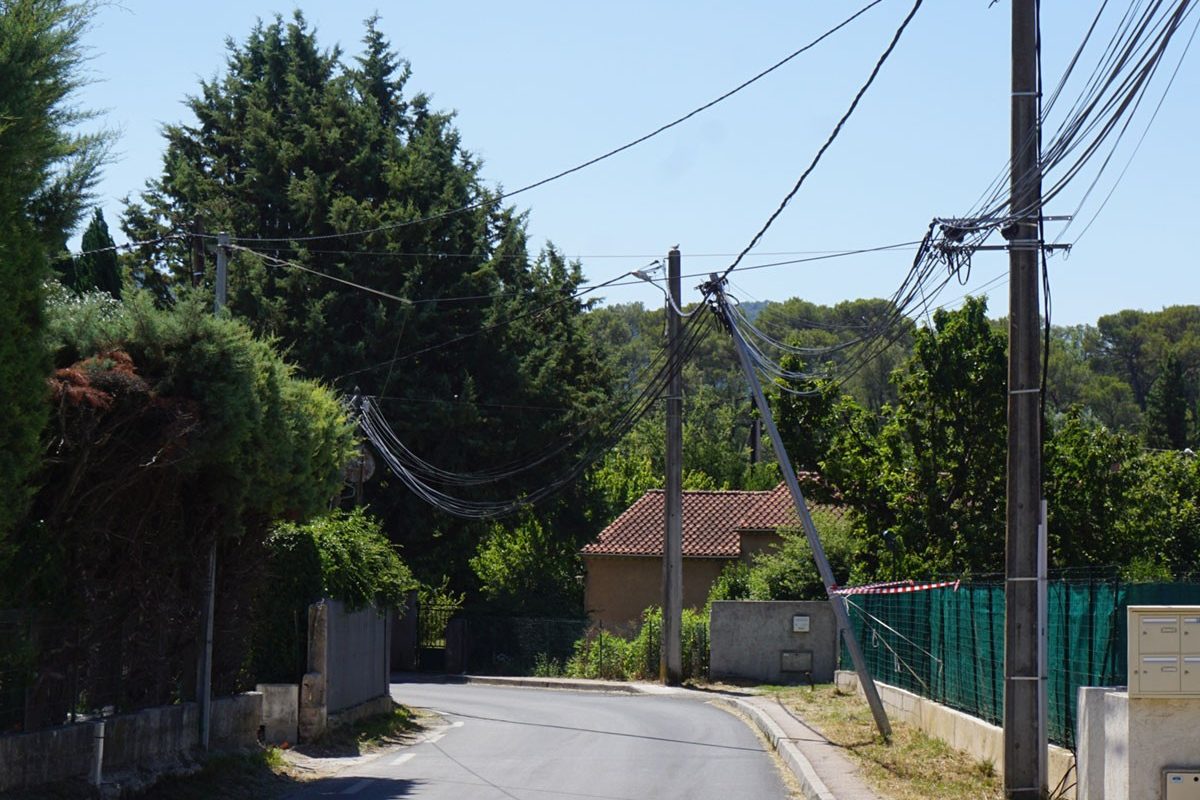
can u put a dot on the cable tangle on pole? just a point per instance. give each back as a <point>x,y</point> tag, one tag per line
<point>444,489</point>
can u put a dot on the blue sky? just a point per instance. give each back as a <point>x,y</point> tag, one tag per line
<point>541,86</point>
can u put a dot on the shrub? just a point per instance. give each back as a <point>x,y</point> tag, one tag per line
<point>601,654</point>
<point>172,431</point>
<point>340,556</point>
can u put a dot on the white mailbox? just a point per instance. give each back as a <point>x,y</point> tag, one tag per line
<point>1164,651</point>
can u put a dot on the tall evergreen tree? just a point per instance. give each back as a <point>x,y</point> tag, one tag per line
<point>97,267</point>
<point>1169,407</point>
<point>328,167</point>
<point>46,174</point>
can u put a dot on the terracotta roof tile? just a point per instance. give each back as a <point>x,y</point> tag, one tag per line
<point>770,510</point>
<point>775,510</point>
<point>709,525</point>
<point>711,522</point>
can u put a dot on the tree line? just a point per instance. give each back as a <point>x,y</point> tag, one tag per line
<point>328,170</point>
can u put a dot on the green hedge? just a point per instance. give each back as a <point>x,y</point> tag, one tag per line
<point>604,655</point>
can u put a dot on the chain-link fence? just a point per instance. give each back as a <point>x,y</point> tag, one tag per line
<point>947,644</point>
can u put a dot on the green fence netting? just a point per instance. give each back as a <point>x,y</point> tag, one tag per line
<point>948,644</point>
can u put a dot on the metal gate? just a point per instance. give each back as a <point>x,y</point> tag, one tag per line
<point>431,637</point>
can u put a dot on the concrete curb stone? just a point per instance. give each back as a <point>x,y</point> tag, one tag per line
<point>810,783</point>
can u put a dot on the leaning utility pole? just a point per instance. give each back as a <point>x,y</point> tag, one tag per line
<point>670,668</point>
<point>1025,754</point>
<point>204,684</point>
<point>716,288</point>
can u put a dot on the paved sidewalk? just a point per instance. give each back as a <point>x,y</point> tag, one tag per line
<point>821,770</point>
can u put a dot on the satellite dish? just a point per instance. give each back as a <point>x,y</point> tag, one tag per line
<point>360,468</point>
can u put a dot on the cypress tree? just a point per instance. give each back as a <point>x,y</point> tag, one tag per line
<point>299,152</point>
<point>46,174</point>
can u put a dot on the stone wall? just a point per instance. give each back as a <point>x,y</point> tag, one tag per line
<point>151,740</point>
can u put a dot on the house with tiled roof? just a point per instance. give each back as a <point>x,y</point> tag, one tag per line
<point>623,565</point>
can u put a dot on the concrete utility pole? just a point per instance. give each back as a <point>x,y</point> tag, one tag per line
<point>198,258</point>
<point>1025,754</point>
<point>671,653</point>
<point>837,602</point>
<point>204,684</point>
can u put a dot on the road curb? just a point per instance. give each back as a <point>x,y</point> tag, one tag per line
<point>806,776</point>
<point>551,683</point>
<point>810,783</point>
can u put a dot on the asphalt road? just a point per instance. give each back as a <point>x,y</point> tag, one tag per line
<point>532,744</point>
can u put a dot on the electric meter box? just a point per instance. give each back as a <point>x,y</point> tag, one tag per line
<point>1181,784</point>
<point>1164,651</point>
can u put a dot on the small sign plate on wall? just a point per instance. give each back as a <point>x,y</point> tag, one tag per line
<point>800,623</point>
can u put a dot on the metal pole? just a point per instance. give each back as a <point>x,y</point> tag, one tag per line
<point>671,651</point>
<point>204,687</point>
<point>1024,744</point>
<point>810,530</point>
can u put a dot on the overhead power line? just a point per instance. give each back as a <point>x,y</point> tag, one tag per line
<point>584,165</point>
<point>837,129</point>
<point>444,488</point>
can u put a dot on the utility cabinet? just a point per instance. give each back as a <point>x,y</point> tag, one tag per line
<point>1181,784</point>
<point>1164,651</point>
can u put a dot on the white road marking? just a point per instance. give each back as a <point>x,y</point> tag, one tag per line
<point>435,738</point>
<point>458,724</point>
<point>398,760</point>
<point>358,787</point>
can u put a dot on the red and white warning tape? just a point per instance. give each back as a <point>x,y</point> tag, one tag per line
<point>894,587</point>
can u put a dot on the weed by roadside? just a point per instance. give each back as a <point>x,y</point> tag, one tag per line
<point>365,735</point>
<point>270,772</point>
<point>913,766</point>
<point>253,775</point>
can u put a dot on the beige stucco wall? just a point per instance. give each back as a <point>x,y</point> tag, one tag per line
<point>751,543</point>
<point>617,589</point>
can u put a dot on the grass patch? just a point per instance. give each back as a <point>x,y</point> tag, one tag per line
<point>913,766</point>
<point>365,735</point>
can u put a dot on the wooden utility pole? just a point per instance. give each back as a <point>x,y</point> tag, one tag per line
<point>671,653</point>
<point>1025,753</point>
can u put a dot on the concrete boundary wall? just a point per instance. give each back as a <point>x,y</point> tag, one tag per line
<point>1126,742</point>
<point>348,664</point>
<point>151,740</point>
<point>980,739</point>
<point>773,641</point>
<point>357,655</point>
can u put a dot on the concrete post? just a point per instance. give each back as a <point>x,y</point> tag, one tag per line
<point>97,771</point>
<point>314,708</point>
